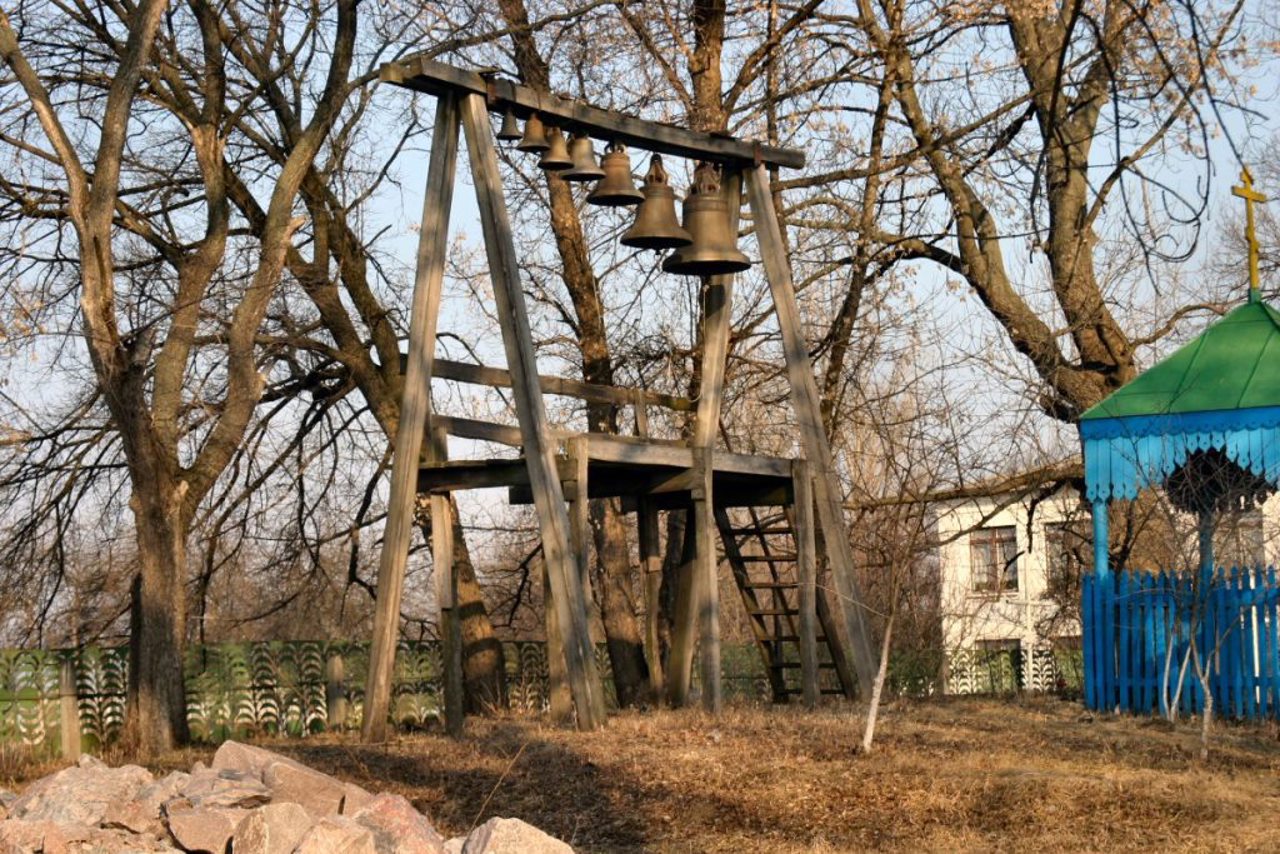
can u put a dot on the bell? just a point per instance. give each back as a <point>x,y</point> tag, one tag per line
<point>510,130</point>
<point>714,250</point>
<point>535,137</point>
<point>584,161</point>
<point>556,158</point>
<point>656,226</point>
<point>617,188</point>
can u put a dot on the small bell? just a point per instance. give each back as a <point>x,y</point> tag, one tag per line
<point>714,250</point>
<point>556,158</point>
<point>584,161</point>
<point>535,136</point>
<point>616,189</point>
<point>510,130</point>
<point>656,226</point>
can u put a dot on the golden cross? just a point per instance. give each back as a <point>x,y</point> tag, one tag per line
<point>1250,196</point>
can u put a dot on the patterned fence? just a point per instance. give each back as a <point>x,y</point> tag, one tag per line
<point>286,688</point>
<point>1044,669</point>
<point>1138,631</point>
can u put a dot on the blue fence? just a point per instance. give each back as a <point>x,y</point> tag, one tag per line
<point>1138,631</point>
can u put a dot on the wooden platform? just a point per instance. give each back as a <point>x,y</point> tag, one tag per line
<point>620,466</point>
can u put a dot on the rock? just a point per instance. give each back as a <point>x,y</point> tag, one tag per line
<point>204,830</point>
<point>224,788</point>
<point>319,793</point>
<point>512,836</point>
<point>354,798</point>
<point>336,833</point>
<point>80,794</point>
<point>234,756</point>
<point>455,845</point>
<point>273,829</point>
<point>398,828</point>
<point>142,814</point>
<point>29,837</point>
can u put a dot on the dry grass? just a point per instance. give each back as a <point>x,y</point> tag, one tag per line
<point>946,776</point>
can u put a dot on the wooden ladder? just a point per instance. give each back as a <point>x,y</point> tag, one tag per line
<point>762,554</point>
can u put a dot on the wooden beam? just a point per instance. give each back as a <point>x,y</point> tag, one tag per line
<point>464,372</point>
<point>571,609</point>
<point>415,405</point>
<point>849,604</point>
<point>577,491</point>
<point>447,593</point>
<point>807,576</point>
<point>438,78</point>
<point>484,431</point>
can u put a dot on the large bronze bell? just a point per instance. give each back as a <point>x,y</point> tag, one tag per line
<point>656,226</point>
<point>584,167</point>
<point>714,250</point>
<point>535,136</point>
<point>510,130</point>
<point>556,158</point>
<point>616,189</point>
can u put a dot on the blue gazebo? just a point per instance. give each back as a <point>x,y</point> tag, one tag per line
<point>1204,426</point>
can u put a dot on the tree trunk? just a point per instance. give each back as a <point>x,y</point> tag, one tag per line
<point>157,718</point>
<point>622,630</point>
<point>484,666</point>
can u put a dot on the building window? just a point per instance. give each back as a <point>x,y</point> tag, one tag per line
<point>993,555</point>
<point>1069,555</point>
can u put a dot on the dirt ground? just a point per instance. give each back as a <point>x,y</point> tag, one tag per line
<point>954,775</point>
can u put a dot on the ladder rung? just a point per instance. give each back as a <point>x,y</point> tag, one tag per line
<point>795,665</point>
<point>774,612</point>
<point>783,558</point>
<point>771,585</point>
<point>790,639</point>
<point>761,531</point>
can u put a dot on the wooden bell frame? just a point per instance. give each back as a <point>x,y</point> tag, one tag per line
<point>557,483</point>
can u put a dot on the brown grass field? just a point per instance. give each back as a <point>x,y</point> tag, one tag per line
<point>952,775</point>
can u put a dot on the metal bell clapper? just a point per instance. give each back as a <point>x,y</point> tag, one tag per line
<point>584,167</point>
<point>656,226</point>
<point>714,250</point>
<point>616,189</point>
<point>510,130</point>
<point>534,140</point>
<point>556,158</point>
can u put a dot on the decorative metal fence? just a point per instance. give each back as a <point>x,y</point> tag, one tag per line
<point>1138,632</point>
<point>1043,669</point>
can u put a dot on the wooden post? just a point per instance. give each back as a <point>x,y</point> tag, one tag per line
<point>559,697</point>
<point>580,534</point>
<point>651,572</point>
<point>807,571</point>
<point>854,627</point>
<point>717,310</point>
<point>335,691</point>
<point>447,593</point>
<point>415,405</point>
<point>69,707</point>
<point>539,446</point>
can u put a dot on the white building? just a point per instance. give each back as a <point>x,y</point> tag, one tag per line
<point>1008,563</point>
<point>1009,569</point>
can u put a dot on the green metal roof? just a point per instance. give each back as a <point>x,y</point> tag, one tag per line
<point>1231,365</point>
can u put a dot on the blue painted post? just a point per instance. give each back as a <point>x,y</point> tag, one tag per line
<point>1161,617</point>
<point>1089,628</point>
<point>1273,640</point>
<point>1105,636</point>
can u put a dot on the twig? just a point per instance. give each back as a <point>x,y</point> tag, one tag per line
<point>494,790</point>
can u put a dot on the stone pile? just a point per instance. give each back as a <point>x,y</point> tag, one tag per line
<point>248,801</point>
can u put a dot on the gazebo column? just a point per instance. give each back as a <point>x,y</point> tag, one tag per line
<point>1100,632</point>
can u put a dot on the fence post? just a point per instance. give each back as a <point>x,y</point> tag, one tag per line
<point>335,690</point>
<point>70,706</point>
